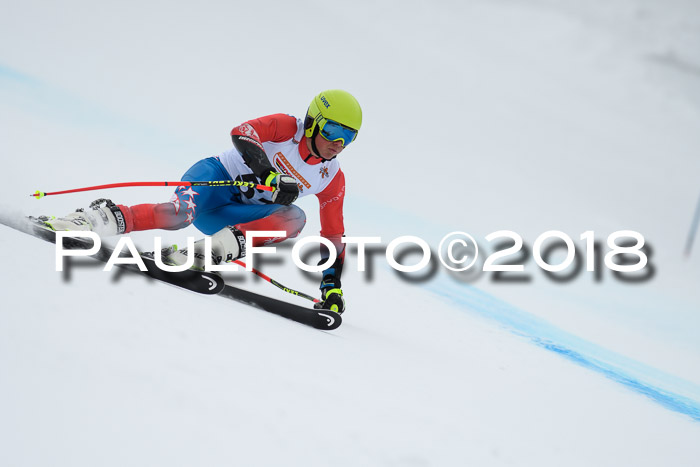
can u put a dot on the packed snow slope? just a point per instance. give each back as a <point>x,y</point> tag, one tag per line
<point>478,117</point>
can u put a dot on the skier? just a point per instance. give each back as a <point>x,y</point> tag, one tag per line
<point>295,157</point>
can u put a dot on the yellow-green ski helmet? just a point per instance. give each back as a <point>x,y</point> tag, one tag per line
<point>335,114</point>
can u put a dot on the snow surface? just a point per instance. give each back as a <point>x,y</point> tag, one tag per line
<point>478,116</point>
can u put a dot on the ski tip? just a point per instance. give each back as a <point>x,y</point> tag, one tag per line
<point>327,320</point>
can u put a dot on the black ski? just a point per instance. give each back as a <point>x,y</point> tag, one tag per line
<point>317,318</point>
<point>196,281</point>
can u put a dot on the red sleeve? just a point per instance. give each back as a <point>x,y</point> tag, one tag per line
<point>275,128</point>
<point>331,209</point>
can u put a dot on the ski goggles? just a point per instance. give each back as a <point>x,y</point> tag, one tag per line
<point>334,131</point>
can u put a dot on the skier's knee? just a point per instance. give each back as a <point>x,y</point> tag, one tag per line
<point>295,220</point>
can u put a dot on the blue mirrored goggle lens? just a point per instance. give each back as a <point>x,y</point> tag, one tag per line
<point>333,131</point>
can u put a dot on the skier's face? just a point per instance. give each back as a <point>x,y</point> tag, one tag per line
<point>328,149</point>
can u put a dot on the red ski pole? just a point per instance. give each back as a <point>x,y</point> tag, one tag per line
<point>40,194</point>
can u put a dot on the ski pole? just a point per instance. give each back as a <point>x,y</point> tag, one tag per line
<point>40,194</point>
<point>277,284</point>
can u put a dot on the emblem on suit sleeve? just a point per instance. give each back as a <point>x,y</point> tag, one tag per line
<point>248,130</point>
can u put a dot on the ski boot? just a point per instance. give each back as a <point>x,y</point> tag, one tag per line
<point>103,217</point>
<point>227,244</point>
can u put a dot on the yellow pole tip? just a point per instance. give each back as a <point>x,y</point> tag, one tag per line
<point>38,194</point>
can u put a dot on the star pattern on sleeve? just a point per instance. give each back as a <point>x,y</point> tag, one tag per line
<point>186,197</point>
<point>189,192</point>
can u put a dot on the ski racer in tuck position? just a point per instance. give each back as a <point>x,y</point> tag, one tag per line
<point>297,158</point>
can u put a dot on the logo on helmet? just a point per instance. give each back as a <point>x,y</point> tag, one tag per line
<point>325,102</point>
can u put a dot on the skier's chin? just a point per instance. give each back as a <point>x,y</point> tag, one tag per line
<point>330,154</point>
